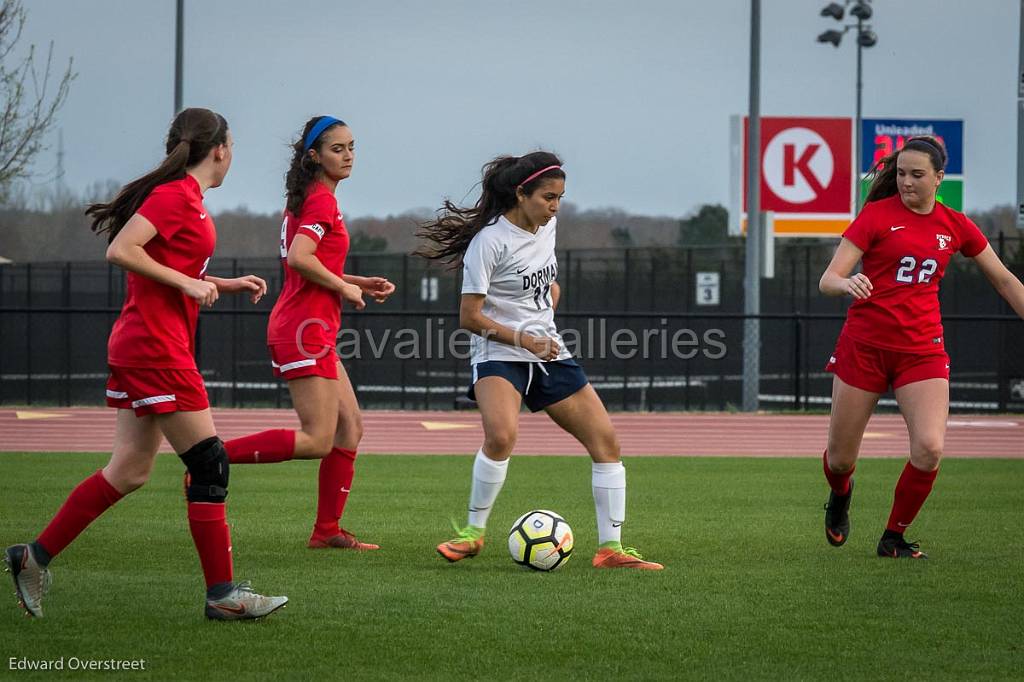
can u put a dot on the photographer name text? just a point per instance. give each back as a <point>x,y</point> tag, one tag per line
<point>75,663</point>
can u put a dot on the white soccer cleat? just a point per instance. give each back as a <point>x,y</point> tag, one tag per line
<point>31,580</point>
<point>242,603</point>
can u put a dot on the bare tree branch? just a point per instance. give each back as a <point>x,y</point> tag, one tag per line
<point>12,21</point>
<point>29,110</point>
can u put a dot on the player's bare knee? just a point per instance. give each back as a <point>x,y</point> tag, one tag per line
<point>125,480</point>
<point>608,448</point>
<point>840,465</point>
<point>613,444</point>
<point>350,429</point>
<point>926,455</point>
<point>499,444</point>
<point>132,482</point>
<point>322,443</point>
<point>840,460</point>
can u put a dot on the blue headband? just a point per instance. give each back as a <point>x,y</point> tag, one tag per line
<point>323,124</point>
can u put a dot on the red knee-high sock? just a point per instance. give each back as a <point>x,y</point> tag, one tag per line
<point>911,491</point>
<point>336,472</point>
<point>209,526</point>
<point>87,501</point>
<point>265,447</point>
<point>840,483</point>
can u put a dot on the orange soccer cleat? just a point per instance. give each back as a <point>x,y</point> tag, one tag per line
<point>623,557</point>
<point>343,540</point>
<point>466,545</point>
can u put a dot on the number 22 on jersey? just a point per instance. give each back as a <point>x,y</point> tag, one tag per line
<point>908,266</point>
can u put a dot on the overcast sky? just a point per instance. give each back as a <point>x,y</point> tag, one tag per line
<point>635,96</point>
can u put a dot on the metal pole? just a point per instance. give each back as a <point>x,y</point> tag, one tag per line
<point>67,335</point>
<point>179,50</point>
<point>752,282</point>
<point>857,131</point>
<point>28,335</point>
<point>798,337</point>
<point>1020,124</point>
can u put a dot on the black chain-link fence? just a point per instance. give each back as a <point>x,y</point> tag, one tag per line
<point>650,327</point>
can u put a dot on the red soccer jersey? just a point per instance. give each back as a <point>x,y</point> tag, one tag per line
<point>157,325</point>
<point>304,304</point>
<point>905,256</point>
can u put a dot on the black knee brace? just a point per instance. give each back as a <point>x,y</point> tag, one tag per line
<point>207,463</point>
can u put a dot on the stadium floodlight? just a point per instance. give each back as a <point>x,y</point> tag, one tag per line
<point>834,10</point>
<point>867,38</point>
<point>862,11</point>
<point>831,36</point>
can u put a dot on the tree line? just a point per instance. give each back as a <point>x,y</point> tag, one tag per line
<point>52,227</point>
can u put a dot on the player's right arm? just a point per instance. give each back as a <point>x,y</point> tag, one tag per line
<point>472,318</point>
<point>837,281</point>
<point>302,259</point>
<point>126,251</point>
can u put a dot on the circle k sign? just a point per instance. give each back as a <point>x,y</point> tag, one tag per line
<point>806,165</point>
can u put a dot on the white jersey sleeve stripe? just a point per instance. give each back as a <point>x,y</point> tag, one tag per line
<point>288,366</point>
<point>153,400</point>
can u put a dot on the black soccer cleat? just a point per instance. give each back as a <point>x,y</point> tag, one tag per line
<point>837,517</point>
<point>893,546</point>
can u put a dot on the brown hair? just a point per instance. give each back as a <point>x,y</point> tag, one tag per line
<point>303,169</point>
<point>455,226</point>
<point>193,133</point>
<point>883,184</point>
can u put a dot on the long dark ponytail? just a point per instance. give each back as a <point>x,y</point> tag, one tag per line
<point>303,169</point>
<point>193,133</point>
<point>454,227</point>
<point>883,184</point>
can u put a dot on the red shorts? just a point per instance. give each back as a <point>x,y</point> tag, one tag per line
<point>156,391</point>
<point>290,362</point>
<point>873,369</point>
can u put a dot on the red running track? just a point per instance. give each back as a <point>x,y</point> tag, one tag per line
<point>665,434</point>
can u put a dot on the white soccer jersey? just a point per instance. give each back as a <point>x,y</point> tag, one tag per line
<point>515,269</point>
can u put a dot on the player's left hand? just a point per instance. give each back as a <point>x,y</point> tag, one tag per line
<point>255,286</point>
<point>378,288</point>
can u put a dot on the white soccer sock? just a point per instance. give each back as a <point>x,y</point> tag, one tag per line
<point>609,484</point>
<point>488,477</point>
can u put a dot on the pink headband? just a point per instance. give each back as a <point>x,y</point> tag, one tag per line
<point>540,172</point>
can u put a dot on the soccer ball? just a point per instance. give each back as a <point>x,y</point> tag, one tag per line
<point>540,539</point>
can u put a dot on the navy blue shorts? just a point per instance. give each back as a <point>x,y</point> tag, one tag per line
<point>540,383</point>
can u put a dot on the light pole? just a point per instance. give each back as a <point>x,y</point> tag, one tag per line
<point>865,38</point>
<point>179,54</point>
<point>752,269</point>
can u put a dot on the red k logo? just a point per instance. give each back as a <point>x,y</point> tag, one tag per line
<point>806,165</point>
<point>798,165</point>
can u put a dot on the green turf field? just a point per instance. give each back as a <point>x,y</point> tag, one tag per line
<point>751,589</point>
